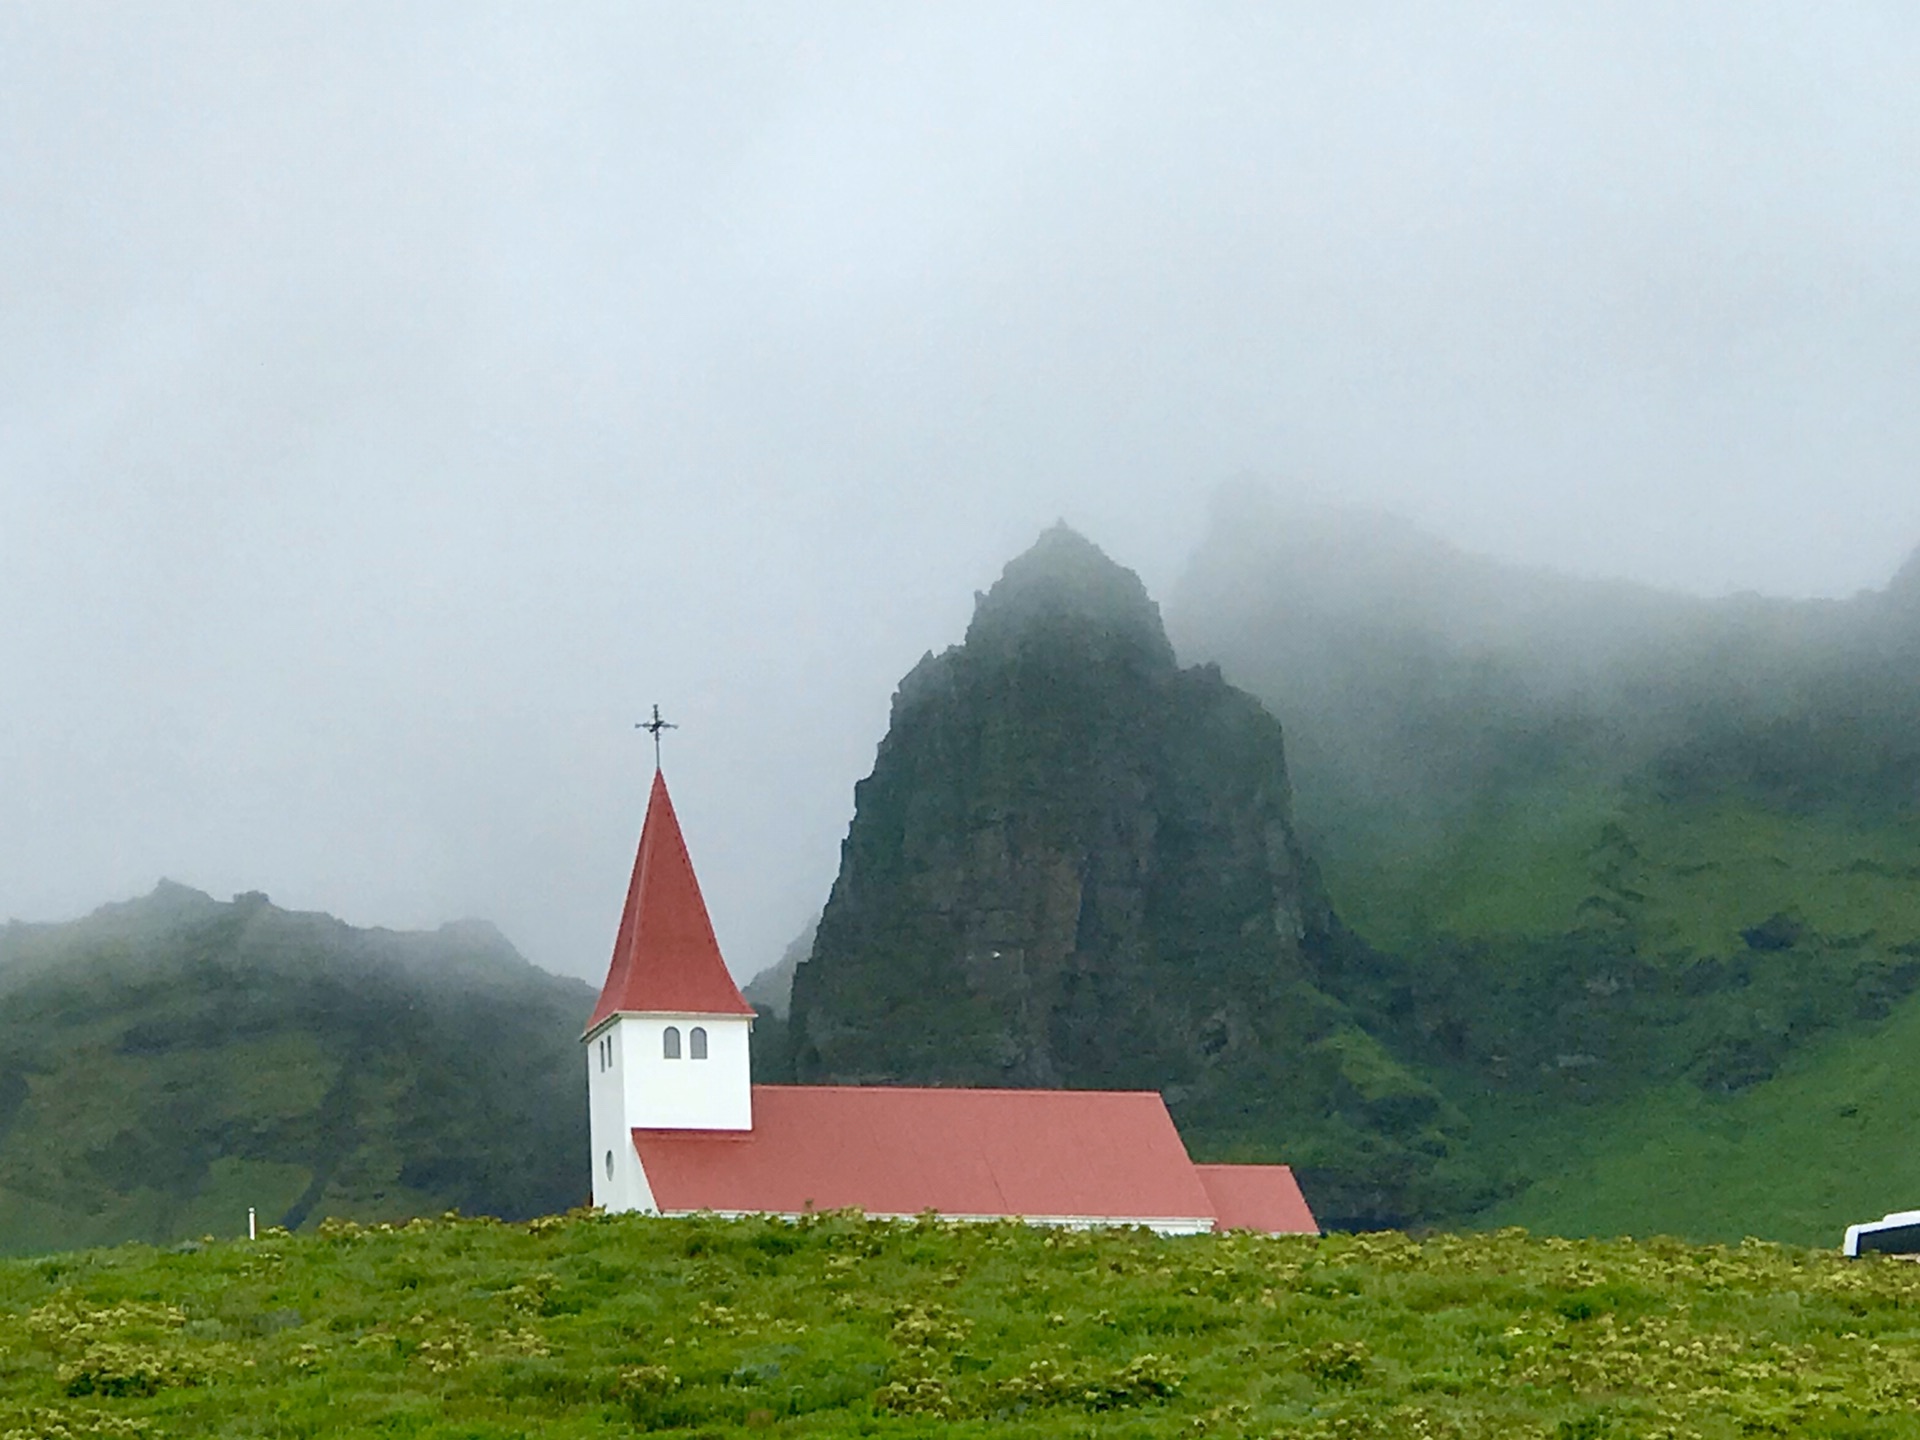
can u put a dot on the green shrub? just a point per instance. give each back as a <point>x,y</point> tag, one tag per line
<point>107,1368</point>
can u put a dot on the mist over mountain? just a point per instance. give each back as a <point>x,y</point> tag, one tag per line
<point>1903,591</point>
<point>771,991</point>
<point>1419,683</point>
<point>1557,901</point>
<point>1620,853</point>
<point>168,1062</point>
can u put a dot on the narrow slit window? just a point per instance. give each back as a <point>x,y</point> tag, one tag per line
<point>670,1042</point>
<point>697,1042</point>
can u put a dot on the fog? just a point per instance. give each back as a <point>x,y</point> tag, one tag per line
<point>395,402</point>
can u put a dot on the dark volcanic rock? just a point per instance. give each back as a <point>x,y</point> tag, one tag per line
<point>1074,865</point>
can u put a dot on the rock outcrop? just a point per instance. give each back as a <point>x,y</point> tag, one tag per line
<point>1074,865</point>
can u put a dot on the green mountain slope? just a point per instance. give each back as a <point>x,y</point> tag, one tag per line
<point>1825,1141</point>
<point>169,1062</point>
<point>1628,859</point>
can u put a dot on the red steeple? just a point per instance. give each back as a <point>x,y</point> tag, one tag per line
<point>666,958</point>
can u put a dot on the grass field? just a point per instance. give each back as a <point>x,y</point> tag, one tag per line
<point>839,1326</point>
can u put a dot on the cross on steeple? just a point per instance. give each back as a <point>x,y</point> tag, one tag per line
<point>653,727</point>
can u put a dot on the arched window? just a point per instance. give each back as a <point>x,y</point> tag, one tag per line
<point>670,1042</point>
<point>609,1164</point>
<point>697,1042</point>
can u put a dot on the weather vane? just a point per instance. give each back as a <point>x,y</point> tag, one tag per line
<point>653,727</point>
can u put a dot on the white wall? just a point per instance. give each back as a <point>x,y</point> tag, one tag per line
<point>687,1094</point>
<point>608,1129</point>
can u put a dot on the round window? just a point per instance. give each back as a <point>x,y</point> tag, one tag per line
<point>609,1164</point>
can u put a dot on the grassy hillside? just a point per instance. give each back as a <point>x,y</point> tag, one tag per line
<point>838,1326</point>
<point>1669,1016</point>
<point>1824,1142</point>
<point>169,1062</point>
<point>1692,876</point>
<point>1639,868</point>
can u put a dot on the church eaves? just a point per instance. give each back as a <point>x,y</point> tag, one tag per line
<point>666,958</point>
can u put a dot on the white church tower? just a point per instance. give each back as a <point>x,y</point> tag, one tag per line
<point>667,1044</point>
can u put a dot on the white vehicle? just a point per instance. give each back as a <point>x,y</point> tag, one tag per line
<point>1895,1234</point>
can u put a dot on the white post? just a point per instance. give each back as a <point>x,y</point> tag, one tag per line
<point>253,1232</point>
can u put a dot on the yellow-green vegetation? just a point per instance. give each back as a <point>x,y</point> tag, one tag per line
<point>587,1325</point>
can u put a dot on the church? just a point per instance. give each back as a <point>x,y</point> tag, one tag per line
<point>677,1125</point>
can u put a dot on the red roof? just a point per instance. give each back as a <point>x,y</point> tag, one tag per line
<point>1257,1197</point>
<point>666,958</point>
<point>1080,1154</point>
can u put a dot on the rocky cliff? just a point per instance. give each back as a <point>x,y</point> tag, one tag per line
<point>1074,865</point>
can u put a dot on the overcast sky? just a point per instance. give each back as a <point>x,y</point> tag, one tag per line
<point>396,400</point>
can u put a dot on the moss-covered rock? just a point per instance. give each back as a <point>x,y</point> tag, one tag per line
<point>1074,864</point>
